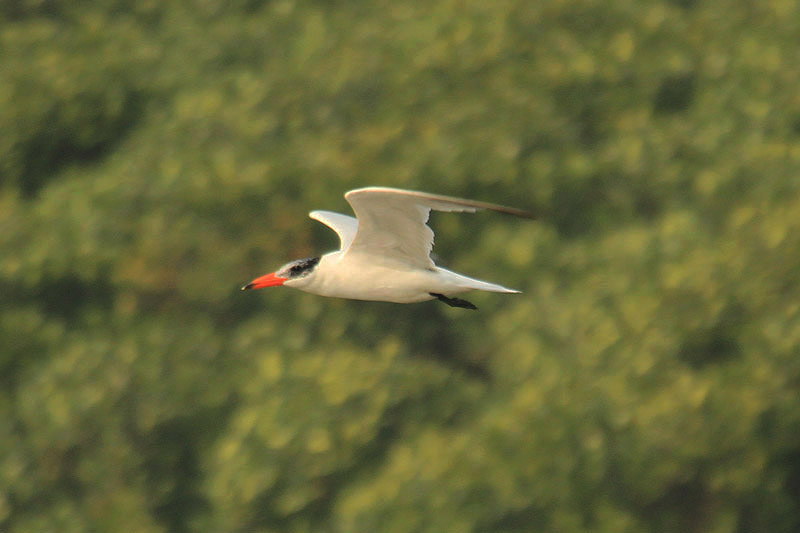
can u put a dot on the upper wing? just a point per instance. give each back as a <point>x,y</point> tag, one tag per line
<point>344,225</point>
<point>392,222</point>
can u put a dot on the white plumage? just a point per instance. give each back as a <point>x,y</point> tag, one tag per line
<point>385,251</point>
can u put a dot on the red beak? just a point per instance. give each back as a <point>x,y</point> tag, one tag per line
<point>267,280</point>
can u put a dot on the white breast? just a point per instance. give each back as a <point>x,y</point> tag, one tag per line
<point>348,276</point>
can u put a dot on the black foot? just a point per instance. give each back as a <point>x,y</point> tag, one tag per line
<point>453,302</point>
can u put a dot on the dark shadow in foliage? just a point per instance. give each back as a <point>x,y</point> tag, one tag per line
<point>16,10</point>
<point>530,518</point>
<point>785,461</point>
<point>264,516</point>
<point>174,476</point>
<point>226,313</point>
<point>60,462</point>
<point>60,144</point>
<point>681,507</point>
<point>606,198</point>
<point>68,296</point>
<point>248,6</point>
<point>600,202</point>
<point>685,4</point>
<point>357,99</point>
<point>173,463</point>
<point>20,350</point>
<point>675,94</point>
<point>716,343</point>
<point>575,208</point>
<point>583,104</point>
<point>427,329</point>
<point>791,484</point>
<point>233,310</point>
<point>64,298</point>
<point>437,333</point>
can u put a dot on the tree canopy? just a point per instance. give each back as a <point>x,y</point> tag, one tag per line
<point>155,156</point>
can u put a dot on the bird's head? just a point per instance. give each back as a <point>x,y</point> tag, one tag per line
<point>291,274</point>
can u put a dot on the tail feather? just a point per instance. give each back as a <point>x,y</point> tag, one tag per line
<point>491,287</point>
<point>476,284</point>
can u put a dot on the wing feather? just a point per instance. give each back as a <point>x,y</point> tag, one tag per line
<point>345,226</point>
<point>392,223</point>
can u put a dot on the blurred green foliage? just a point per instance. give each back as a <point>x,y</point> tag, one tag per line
<point>156,155</point>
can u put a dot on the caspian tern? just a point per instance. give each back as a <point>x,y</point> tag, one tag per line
<point>385,251</point>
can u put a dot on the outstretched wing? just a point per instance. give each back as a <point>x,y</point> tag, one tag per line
<point>392,223</point>
<point>344,225</point>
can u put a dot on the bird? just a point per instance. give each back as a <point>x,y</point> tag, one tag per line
<point>385,251</point>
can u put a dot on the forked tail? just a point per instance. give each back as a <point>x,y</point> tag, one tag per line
<point>476,284</point>
<point>491,287</point>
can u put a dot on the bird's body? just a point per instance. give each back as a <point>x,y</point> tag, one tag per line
<point>384,281</point>
<point>385,252</point>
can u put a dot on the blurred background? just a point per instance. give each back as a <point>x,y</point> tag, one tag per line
<point>155,156</point>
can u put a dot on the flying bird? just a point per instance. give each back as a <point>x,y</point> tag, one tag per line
<point>385,251</point>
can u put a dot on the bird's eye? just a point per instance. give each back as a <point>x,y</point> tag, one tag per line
<point>302,266</point>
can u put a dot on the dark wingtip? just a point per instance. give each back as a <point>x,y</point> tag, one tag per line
<point>247,287</point>
<point>517,212</point>
<point>454,302</point>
